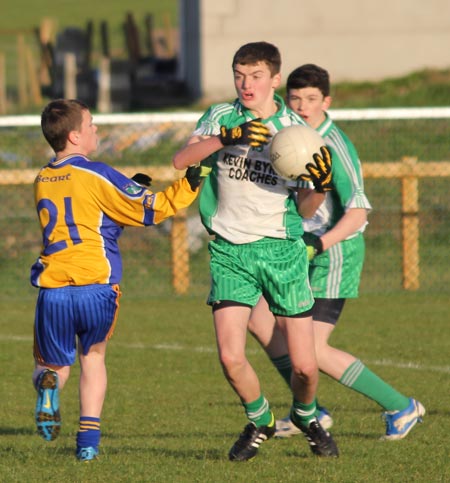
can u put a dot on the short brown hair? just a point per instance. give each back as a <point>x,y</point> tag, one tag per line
<point>59,118</point>
<point>309,75</point>
<point>254,52</point>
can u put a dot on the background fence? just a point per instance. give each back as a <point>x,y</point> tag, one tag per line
<point>406,165</point>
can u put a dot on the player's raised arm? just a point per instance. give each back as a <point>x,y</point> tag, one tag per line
<point>179,195</point>
<point>197,149</point>
<point>253,133</point>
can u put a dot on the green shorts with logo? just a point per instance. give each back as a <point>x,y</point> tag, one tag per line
<point>336,273</point>
<point>275,268</point>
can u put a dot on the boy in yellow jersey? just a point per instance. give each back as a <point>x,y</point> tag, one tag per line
<point>82,208</point>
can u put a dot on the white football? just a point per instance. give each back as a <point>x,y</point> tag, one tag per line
<point>292,148</point>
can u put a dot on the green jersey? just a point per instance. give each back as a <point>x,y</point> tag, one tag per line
<point>243,200</point>
<point>336,273</point>
<point>348,185</point>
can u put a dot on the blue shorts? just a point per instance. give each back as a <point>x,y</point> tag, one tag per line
<point>88,312</point>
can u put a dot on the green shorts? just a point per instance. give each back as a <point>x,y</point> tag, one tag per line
<point>275,268</point>
<point>336,273</point>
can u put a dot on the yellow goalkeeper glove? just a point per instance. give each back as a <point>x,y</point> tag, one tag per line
<point>320,171</point>
<point>253,133</point>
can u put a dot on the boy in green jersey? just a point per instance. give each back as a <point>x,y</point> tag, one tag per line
<point>257,249</point>
<point>335,243</point>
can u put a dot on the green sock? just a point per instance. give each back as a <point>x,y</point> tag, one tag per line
<point>303,413</point>
<point>259,412</point>
<point>361,379</point>
<point>283,366</point>
<point>317,412</point>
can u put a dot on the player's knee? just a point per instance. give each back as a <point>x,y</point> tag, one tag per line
<point>232,362</point>
<point>307,373</point>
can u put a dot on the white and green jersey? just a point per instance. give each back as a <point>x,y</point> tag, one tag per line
<point>348,185</point>
<point>243,199</point>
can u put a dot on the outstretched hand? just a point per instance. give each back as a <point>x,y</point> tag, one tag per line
<point>320,171</point>
<point>143,179</point>
<point>196,174</point>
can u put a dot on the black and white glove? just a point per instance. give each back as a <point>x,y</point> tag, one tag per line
<point>253,133</point>
<point>320,171</point>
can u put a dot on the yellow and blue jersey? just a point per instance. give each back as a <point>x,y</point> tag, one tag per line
<point>83,207</point>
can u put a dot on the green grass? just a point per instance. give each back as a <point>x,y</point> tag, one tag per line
<point>426,88</point>
<point>66,13</point>
<point>423,88</point>
<point>169,415</point>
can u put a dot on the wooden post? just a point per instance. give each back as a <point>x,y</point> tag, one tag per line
<point>104,38</point>
<point>2,84</point>
<point>45,35</point>
<point>21,71</point>
<point>169,35</point>
<point>89,36</point>
<point>132,39</point>
<point>148,22</point>
<point>33,78</point>
<point>104,86</point>
<point>180,253</point>
<point>410,227</point>
<point>70,76</point>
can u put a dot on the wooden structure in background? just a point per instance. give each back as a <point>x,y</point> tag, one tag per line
<point>28,77</point>
<point>145,75</point>
<point>179,245</point>
<point>409,170</point>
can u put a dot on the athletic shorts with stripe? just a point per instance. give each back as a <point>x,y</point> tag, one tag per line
<point>88,312</point>
<point>275,268</point>
<point>336,273</point>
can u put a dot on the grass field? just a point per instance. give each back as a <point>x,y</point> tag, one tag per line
<point>170,416</point>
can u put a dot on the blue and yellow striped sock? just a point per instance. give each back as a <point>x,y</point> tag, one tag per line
<point>88,432</point>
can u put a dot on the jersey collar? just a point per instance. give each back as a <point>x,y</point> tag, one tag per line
<point>57,163</point>
<point>325,127</point>
<point>279,101</point>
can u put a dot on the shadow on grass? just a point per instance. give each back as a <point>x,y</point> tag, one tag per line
<point>5,431</point>
<point>209,454</point>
